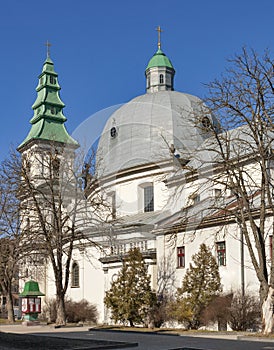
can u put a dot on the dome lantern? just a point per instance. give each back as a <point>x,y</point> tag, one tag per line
<point>159,71</point>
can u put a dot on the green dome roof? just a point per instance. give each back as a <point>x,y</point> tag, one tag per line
<point>159,59</point>
<point>31,288</point>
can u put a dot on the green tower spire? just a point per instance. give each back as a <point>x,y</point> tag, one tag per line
<point>48,119</point>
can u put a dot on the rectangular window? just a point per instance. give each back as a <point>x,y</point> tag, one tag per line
<point>113,205</point>
<point>221,253</point>
<point>270,246</point>
<point>181,256</point>
<point>148,198</point>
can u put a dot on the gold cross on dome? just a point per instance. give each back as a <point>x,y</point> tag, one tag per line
<point>159,30</point>
<point>48,45</point>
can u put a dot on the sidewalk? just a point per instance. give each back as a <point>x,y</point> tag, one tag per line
<point>41,328</point>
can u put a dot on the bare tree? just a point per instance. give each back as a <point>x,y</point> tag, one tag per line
<point>244,313</point>
<point>238,158</point>
<point>165,292</point>
<point>11,249</point>
<point>59,214</point>
<point>8,269</point>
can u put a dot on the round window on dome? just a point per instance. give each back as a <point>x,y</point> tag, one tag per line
<point>113,132</point>
<point>206,123</point>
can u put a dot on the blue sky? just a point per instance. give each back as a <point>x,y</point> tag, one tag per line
<point>100,50</point>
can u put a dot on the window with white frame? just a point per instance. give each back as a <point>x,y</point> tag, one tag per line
<point>180,257</point>
<point>221,253</point>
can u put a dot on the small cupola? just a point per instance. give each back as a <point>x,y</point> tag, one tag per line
<point>159,71</point>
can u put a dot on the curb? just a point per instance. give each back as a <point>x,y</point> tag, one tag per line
<point>134,332</point>
<point>266,340</point>
<point>239,337</point>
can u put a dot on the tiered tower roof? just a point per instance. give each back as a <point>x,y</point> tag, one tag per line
<point>48,118</point>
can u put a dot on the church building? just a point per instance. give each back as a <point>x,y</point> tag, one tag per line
<point>144,165</point>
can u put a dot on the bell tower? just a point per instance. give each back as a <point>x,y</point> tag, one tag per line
<point>48,133</point>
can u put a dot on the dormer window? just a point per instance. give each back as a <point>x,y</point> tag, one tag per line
<point>217,193</point>
<point>161,78</point>
<point>196,199</point>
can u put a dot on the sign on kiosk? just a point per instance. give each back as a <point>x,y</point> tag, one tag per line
<point>31,305</point>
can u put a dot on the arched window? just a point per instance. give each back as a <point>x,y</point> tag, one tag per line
<point>75,275</point>
<point>161,79</point>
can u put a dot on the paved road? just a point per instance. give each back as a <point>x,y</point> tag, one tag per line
<point>145,341</point>
<point>169,342</point>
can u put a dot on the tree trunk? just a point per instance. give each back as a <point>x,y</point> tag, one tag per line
<point>61,312</point>
<point>9,306</point>
<point>267,312</point>
<point>131,323</point>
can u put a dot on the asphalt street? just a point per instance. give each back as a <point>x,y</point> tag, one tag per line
<point>100,339</point>
<point>169,342</point>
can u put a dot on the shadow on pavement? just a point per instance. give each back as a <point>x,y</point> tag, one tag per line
<point>14,341</point>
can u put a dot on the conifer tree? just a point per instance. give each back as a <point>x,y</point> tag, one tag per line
<point>201,284</point>
<point>130,297</point>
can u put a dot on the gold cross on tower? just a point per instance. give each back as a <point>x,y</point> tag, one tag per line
<point>48,45</point>
<point>159,30</point>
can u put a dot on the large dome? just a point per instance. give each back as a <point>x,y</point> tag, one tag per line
<point>148,128</point>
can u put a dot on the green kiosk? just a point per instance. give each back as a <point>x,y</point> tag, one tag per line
<point>31,303</point>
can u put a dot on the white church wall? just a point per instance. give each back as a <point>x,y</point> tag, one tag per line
<point>126,197</point>
<point>91,279</point>
<point>130,199</point>
<point>230,273</point>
